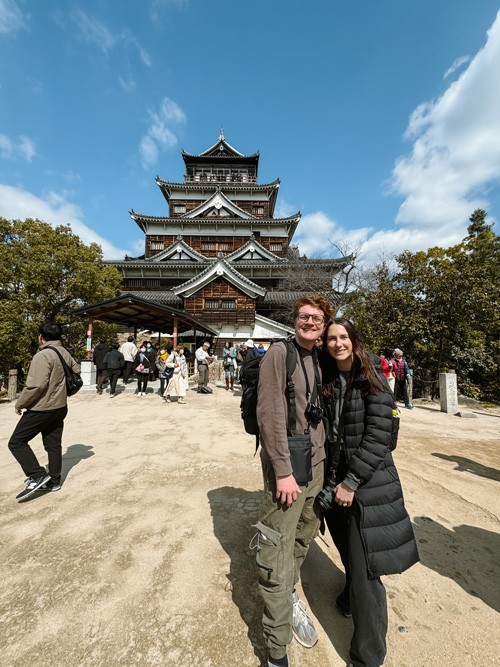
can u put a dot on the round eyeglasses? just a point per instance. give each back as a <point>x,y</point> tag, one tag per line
<point>304,317</point>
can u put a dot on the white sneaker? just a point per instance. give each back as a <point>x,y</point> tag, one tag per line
<point>302,624</point>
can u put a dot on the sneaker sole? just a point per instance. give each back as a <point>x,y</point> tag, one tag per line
<point>302,642</point>
<point>28,494</point>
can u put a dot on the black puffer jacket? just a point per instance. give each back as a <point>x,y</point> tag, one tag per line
<point>386,530</point>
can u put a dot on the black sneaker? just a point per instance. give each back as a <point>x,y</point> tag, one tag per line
<point>342,604</point>
<point>50,486</point>
<point>32,485</point>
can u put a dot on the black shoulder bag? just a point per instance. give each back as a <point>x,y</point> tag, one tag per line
<point>74,380</point>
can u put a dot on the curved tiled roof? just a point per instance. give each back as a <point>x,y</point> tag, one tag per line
<point>263,221</point>
<point>208,185</point>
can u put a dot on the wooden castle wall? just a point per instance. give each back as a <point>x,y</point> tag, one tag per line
<point>234,306</point>
<point>259,209</point>
<point>209,246</point>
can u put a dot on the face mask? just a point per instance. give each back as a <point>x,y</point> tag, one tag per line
<point>143,349</point>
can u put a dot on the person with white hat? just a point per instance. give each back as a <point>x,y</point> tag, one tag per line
<point>402,376</point>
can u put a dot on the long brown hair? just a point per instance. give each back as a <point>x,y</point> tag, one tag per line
<point>361,365</point>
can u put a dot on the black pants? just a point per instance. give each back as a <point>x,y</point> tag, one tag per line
<point>102,376</point>
<point>142,382</point>
<point>50,424</point>
<point>127,370</point>
<point>401,389</point>
<point>113,375</point>
<point>367,596</point>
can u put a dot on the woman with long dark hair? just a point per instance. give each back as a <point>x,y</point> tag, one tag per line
<point>367,517</point>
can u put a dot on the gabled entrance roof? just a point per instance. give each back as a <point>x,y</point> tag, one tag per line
<point>219,268</point>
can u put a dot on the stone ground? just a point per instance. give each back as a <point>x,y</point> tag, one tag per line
<point>143,557</point>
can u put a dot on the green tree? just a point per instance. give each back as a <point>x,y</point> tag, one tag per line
<point>442,307</point>
<point>45,273</point>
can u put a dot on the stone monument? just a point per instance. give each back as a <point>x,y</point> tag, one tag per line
<point>448,394</point>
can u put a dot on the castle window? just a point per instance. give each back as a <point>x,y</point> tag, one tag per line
<point>220,304</point>
<point>179,208</point>
<point>210,247</point>
<point>211,304</point>
<point>156,245</point>
<point>275,247</point>
<point>258,210</point>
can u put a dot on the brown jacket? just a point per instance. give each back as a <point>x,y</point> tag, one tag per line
<point>272,408</point>
<point>46,383</point>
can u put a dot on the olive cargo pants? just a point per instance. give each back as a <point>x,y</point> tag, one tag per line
<point>283,542</point>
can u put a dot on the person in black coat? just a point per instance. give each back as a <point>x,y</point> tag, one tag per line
<point>100,351</point>
<point>367,518</point>
<point>114,361</point>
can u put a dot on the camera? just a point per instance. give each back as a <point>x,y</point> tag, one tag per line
<point>326,497</point>
<point>313,413</point>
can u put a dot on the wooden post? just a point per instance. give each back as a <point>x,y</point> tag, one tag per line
<point>89,338</point>
<point>12,390</point>
<point>175,331</point>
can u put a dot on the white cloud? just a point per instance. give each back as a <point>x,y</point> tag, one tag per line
<point>95,32</point>
<point>456,65</point>
<point>157,7</point>
<point>316,235</point>
<point>22,148</point>
<point>11,17</point>
<point>19,204</point>
<point>455,158</point>
<point>160,134</point>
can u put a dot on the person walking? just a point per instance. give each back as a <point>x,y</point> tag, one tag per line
<point>289,519</point>
<point>228,363</point>
<point>114,361</point>
<point>402,372</point>
<point>129,351</point>
<point>160,363</point>
<point>365,513</point>
<point>151,355</point>
<point>43,407</point>
<point>98,355</point>
<point>142,367</point>
<point>387,363</point>
<point>203,359</point>
<point>176,385</point>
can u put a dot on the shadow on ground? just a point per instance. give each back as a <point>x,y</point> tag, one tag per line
<point>468,465</point>
<point>234,510</point>
<point>468,555</point>
<point>72,457</point>
<point>322,581</point>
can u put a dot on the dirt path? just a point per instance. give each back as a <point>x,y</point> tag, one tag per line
<point>143,557</point>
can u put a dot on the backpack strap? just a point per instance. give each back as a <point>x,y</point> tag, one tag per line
<point>291,363</point>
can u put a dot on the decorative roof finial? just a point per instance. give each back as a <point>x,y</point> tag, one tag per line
<point>221,134</point>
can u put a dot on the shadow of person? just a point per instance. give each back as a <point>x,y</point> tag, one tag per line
<point>322,581</point>
<point>234,510</point>
<point>467,554</point>
<point>468,465</point>
<point>72,456</point>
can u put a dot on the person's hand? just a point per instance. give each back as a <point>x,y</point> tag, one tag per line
<point>18,411</point>
<point>343,495</point>
<point>287,490</point>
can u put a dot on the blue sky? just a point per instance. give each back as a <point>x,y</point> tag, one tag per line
<point>381,118</point>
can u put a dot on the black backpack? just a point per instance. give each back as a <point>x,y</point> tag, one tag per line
<point>74,380</point>
<point>249,378</point>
